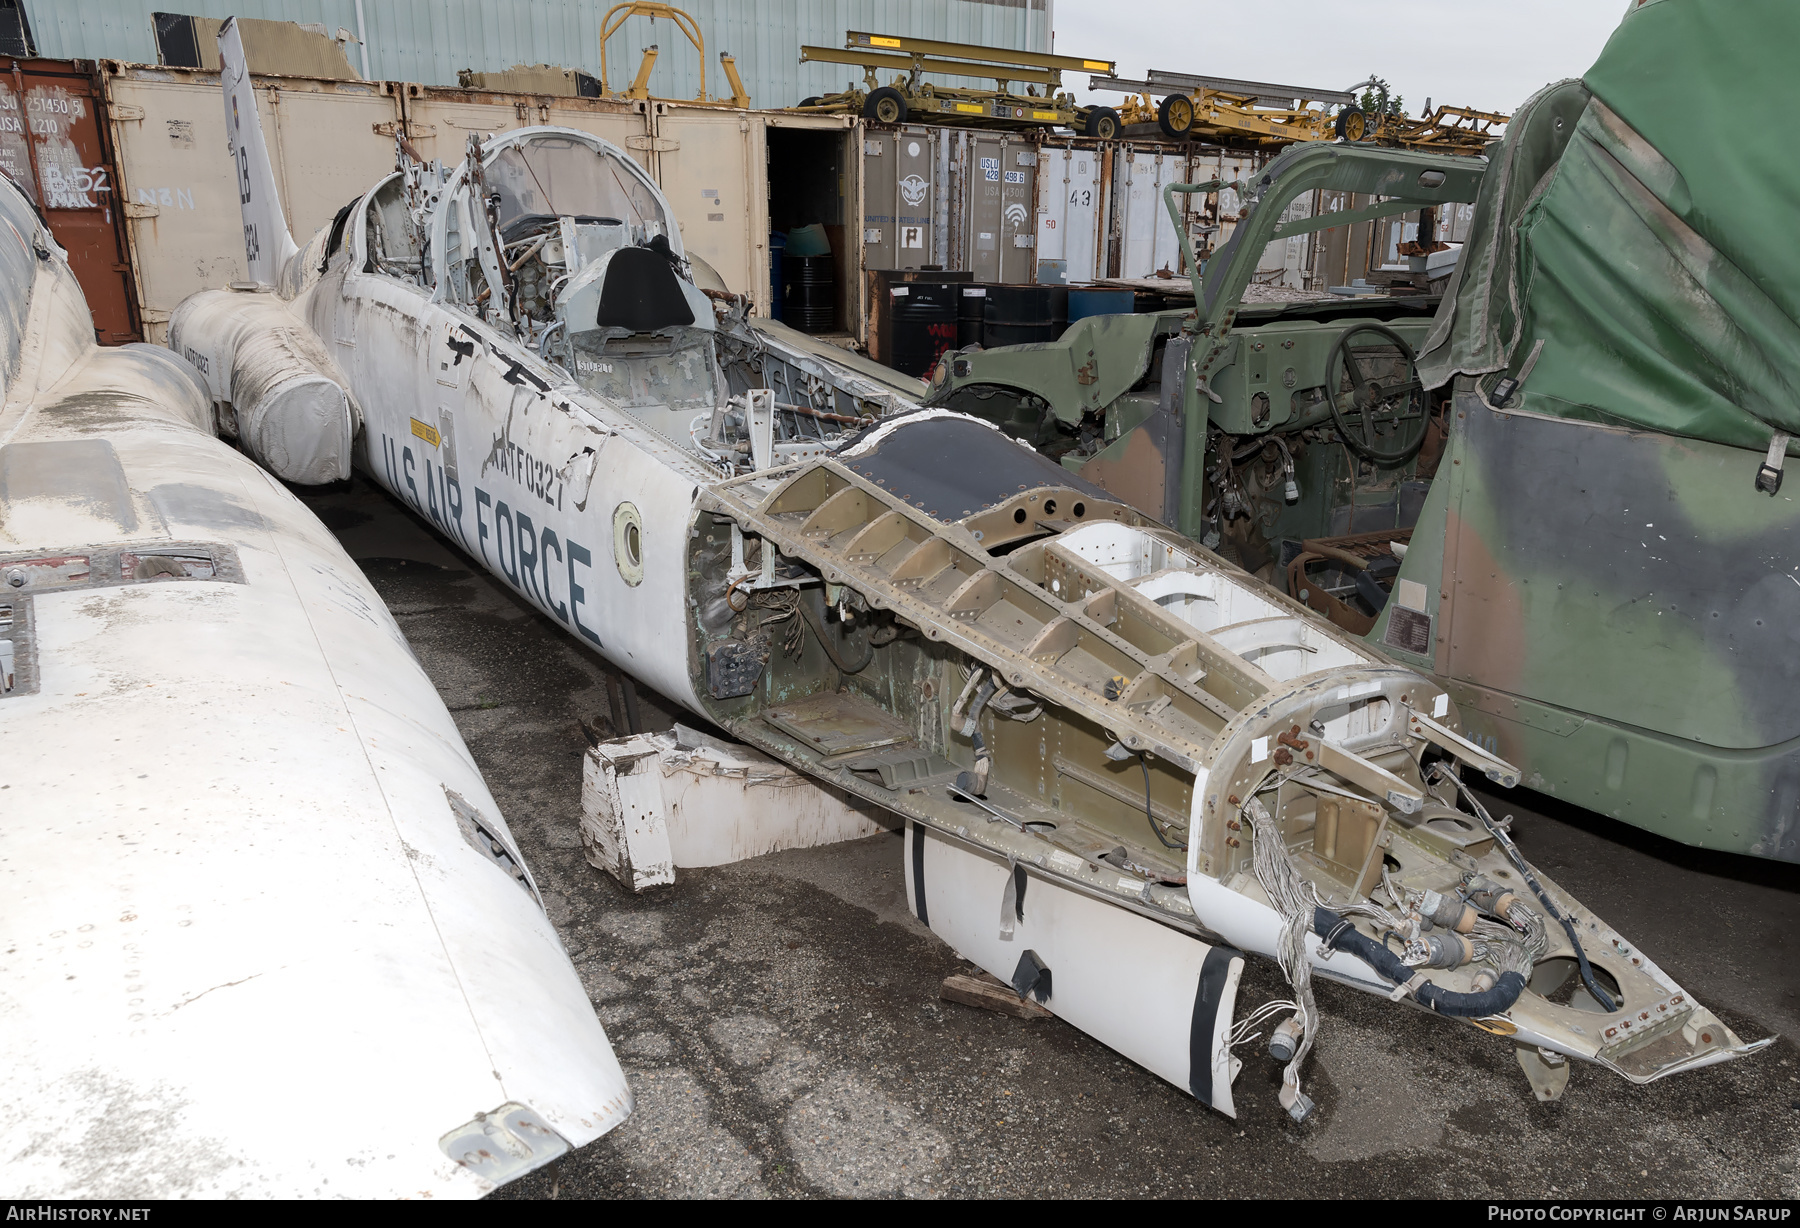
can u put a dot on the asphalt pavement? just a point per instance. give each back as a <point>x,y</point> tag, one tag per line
<point>780,1021</point>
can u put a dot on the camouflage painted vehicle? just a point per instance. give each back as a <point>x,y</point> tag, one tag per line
<point>1557,489</point>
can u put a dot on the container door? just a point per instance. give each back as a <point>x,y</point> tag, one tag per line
<point>1231,168</point>
<point>712,166</point>
<point>1053,207</point>
<point>852,285</point>
<point>1018,212</point>
<point>1454,223</point>
<point>1284,261</point>
<point>880,195</point>
<point>1069,225</point>
<point>1171,167</point>
<point>983,202</point>
<point>899,191</point>
<point>52,143</point>
<point>914,191</point>
<point>1147,240</point>
<point>943,213</point>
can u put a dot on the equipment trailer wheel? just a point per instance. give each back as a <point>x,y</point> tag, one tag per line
<point>886,105</point>
<point>1176,116</point>
<point>1102,123</point>
<point>1353,124</point>
<point>810,102</point>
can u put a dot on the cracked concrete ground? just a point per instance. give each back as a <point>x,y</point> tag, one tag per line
<point>780,1024</point>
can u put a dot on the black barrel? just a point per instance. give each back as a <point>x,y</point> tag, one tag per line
<point>970,305</point>
<point>922,325</point>
<point>810,300</point>
<point>1020,315</point>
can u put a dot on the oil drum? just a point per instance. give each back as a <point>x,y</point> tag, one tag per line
<point>922,325</point>
<point>970,304</point>
<point>1020,315</point>
<point>810,301</point>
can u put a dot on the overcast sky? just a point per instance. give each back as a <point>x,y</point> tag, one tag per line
<point>1489,55</point>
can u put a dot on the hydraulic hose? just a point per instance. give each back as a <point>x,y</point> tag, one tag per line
<point>1149,814</point>
<point>1513,854</point>
<point>1340,934</point>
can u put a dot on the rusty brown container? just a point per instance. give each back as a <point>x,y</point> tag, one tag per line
<point>55,145</point>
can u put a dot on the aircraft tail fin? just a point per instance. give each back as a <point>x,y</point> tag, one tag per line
<point>268,244</point>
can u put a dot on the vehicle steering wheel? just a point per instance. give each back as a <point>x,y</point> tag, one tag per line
<point>1385,420</point>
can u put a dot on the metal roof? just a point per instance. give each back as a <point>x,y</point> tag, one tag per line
<point>414,40</point>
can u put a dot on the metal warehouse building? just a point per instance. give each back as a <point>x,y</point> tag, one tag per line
<point>429,41</point>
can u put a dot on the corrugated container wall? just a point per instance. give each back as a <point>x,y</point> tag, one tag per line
<point>429,43</point>
<point>331,141</point>
<point>996,173</point>
<point>902,170</point>
<point>1100,209</point>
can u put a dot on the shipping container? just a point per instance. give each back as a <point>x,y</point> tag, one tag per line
<point>813,175</point>
<point>1072,209</point>
<point>56,147</point>
<point>993,204</point>
<point>329,142</point>
<point>900,196</point>
<point>332,140</point>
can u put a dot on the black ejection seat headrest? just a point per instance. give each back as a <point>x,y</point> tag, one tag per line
<point>642,292</point>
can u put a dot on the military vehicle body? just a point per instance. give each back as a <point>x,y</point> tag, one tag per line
<point>1142,404</point>
<point>265,930</point>
<point>1122,764</point>
<point>1592,571</point>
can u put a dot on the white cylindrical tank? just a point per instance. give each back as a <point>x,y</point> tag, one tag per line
<point>286,397</point>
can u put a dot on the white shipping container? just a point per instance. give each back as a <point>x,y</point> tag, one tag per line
<point>332,140</point>
<point>1147,239</point>
<point>1071,210</point>
<point>179,188</point>
<point>1101,210</point>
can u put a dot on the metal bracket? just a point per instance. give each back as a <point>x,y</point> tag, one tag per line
<point>1768,475</point>
<point>1547,1070</point>
<point>1494,768</point>
<point>1377,779</point>
<point>759,410</point>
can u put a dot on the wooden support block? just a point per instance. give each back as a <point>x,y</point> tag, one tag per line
<point>991,995</point>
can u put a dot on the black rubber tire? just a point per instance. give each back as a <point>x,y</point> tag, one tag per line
<point>1102,124</point>
<point>1353,123</point>
<point>1175,116</point>
<point>810,102</point>
<point>889,99</point>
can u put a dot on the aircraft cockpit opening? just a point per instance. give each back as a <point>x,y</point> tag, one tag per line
<point>564,176</point>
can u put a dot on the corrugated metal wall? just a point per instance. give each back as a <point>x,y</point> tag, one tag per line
<point>427,41</point>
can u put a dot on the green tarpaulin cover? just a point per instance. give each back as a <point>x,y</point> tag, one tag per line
<point>1640,224</point>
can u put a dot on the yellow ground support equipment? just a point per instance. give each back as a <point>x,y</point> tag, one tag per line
<point>1043,103</point>
<point>1457,130</point>
<point>1256,114</point>
<point>1220,110</point>
<point>616,17</point>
